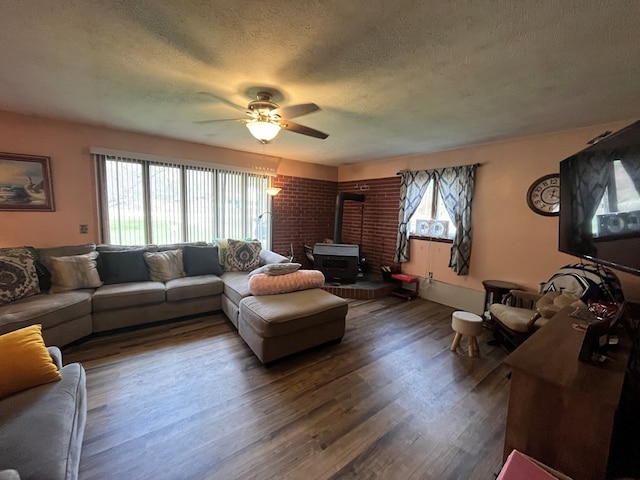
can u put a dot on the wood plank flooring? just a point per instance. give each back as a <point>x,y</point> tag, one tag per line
<point>188,400</point>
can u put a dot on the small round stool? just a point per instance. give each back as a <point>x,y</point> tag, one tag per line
<point>468,324</point>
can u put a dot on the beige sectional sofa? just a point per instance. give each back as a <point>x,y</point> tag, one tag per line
<point>71,315</point>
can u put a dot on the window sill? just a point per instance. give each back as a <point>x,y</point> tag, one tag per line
<point>430,239</point>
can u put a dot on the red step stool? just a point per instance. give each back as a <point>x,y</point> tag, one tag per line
<point>405,292</point>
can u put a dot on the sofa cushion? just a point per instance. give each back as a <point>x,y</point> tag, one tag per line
<point>180,245</point>
<point>236,286</point>
<point>165,265</point>
<point>107,247</point>
<point>123,266</point>
<point>201,260</point>
<point>275,315</point>
<point>517,319</point>
<point>24,361</point>
<point>242,256</point>
<point>193,287</point>
<point>18,277</point>
<point>74,272</point>
<point>121,295</point>
<point>43,427</point>
<point>49,310</point>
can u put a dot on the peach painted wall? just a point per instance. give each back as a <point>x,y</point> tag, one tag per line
<point>73,174</point>
<point>510,242</point>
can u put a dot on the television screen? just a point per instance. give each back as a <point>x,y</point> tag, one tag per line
<point>600,201</point>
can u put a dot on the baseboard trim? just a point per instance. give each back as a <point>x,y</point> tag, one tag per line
<point>454,296</point>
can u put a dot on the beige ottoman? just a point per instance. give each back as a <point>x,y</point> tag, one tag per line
<point>275,326</point>
<point>468,324</point>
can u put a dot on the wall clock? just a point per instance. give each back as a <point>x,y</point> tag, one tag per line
<point>543,196</point>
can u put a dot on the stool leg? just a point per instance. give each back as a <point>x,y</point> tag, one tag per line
<point>470,345</point>
<point>476,347</point>
<point>456,341</point>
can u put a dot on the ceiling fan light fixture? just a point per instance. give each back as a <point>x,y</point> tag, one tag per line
<point>263,131</point>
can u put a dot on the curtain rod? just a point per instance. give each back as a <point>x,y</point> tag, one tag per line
<point>469,164</point>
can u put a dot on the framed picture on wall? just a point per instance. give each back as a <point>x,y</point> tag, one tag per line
<point>25,183</point>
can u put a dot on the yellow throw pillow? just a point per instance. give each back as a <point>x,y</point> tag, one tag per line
<point>25,361</point>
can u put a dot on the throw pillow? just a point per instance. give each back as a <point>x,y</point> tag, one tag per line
<point>201,260</point>
<point>277,269</point>
<point>242,256</point>
<point>24,361</point>
<point>164,266</point>
<point>18,278</point>
<point>123,267</point>
<point>74,272</point>
<point>44,277</point>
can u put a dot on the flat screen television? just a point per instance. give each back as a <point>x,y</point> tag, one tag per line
<point>600,201</point>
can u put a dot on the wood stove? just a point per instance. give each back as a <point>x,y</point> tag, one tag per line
<point>337,261</point>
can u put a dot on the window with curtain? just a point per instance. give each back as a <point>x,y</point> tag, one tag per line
<point>145,201</point>
<point>431,219</point>
<point>455,189</point>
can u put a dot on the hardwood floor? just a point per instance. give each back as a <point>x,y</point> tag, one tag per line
<point>188,400</point>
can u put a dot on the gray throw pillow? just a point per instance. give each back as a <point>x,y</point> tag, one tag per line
<point>74,272</point>
<point>277,269</point>
<point>123,266</point>
<point>201,260</point>
<point>164,266</point>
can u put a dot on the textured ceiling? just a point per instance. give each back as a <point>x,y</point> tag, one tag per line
<point>393,78</point>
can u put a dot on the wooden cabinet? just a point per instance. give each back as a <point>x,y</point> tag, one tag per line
<point>561,410</point>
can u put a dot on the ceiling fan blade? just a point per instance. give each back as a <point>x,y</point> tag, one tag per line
<point>294,111</point>
<point>297,128</point>
<point>219,120</point>
<point>223,100</point>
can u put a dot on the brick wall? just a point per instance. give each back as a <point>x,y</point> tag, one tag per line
<point>303,214</point>
<point>374,223</point>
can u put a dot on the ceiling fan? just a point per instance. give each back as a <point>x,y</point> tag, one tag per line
<point>266,118</point>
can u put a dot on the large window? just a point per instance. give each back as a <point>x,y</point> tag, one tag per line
<point>147,201</point>
<point>431,219</point>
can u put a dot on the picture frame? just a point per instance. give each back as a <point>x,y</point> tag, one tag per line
<point>25,183</point>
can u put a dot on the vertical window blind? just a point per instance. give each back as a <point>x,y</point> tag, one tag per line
<point>144,201</point>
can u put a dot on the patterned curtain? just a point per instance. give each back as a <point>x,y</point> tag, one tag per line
<point>412,189</point>
<point>456,186</point>
<point>594,172</point>
<point>631,164</point>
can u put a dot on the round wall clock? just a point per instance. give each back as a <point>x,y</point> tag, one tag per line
<point>543,196</point>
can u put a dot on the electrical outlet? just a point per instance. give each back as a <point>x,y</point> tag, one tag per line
<point>84,228</point>
<point>430,275</point>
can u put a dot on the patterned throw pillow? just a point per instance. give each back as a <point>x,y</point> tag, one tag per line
<point>74,272</point>
<point>18,278</point>
<point>164,266</point>
<point>242,256</point>
<point>44,277</point>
